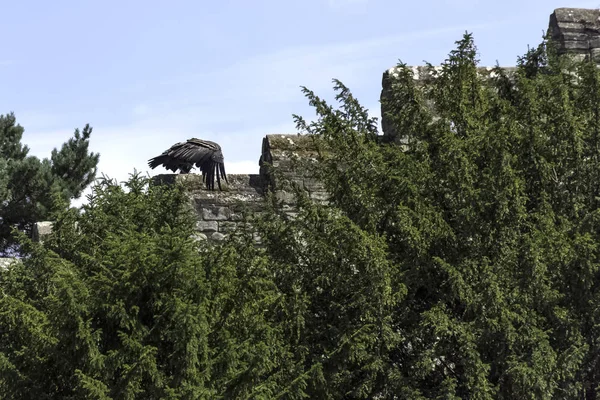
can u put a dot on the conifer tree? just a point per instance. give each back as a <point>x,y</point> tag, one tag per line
<point>27,184</point>
<point>121,302</point>
<point>487,215</point>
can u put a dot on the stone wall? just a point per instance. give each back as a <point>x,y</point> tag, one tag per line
<point>577,30</point>
<point>281,165</point>
<point>219,212</point>
<point>283,157</point>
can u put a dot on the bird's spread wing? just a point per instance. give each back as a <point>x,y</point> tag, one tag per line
<point>204,154</point>
<point>195,152</point>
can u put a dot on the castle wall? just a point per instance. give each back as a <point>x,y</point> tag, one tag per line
<point>577,30</point>
<point>421,75</point>
<point>221,212</point>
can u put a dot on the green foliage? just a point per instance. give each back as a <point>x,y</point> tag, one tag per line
<point>488,219</point>
<point>121,302</point>
<point>337,298</point>
<point>28,185</point>
<point>460,265</point>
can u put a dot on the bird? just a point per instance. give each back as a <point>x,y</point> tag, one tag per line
<point>204,154</point>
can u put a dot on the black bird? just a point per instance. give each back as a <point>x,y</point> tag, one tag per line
<point>204,154</point>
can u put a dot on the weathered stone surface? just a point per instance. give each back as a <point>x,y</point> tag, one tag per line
<point>236,217</point>
<point>576,45</point>
<point>284,157</point>
<point>319,196</point>
<point>576,30</point>
<point>207,226</point>
<point>218,236</point>
<point>41,230</point>
<point>227,226</point>
<point>241,188</point>
<point>222,212</point>
<point>215,213</point>
<point>200,236</point>
<point>285,197</point>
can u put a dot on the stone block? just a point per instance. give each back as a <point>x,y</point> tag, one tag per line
<point>570,45</point>
<point>217,236</point>
<point>200,237</point>
<point>576,36</point>
<point>594,42</point>
<point>320,196</point>
<point>207,226</point>
<point>236,216</point>
<point>284,196</point>
<point>215,213</point>
<point>227,226</point>
<point>571,26</point>
<point>41,230</point>
<point>313,185</point>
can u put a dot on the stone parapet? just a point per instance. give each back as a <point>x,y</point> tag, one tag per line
<point>285,161</point>
<point>219,212</point>
<point>577,31</point>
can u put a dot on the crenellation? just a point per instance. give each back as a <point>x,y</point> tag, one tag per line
<point>221,212</point>
<point>577,32</point>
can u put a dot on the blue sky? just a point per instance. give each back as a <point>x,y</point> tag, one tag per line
<point>147,74</point>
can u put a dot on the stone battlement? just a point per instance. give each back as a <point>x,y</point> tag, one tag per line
<point>577,31</point>
<point>220,212</point>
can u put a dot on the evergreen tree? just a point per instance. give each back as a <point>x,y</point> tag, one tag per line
<point>336,301</point>
<point>27,184</point>
<point>121,302</point>
<point>487,215</point>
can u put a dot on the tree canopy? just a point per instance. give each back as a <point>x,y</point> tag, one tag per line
<point>28,184</point>
<point>463,265</point>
